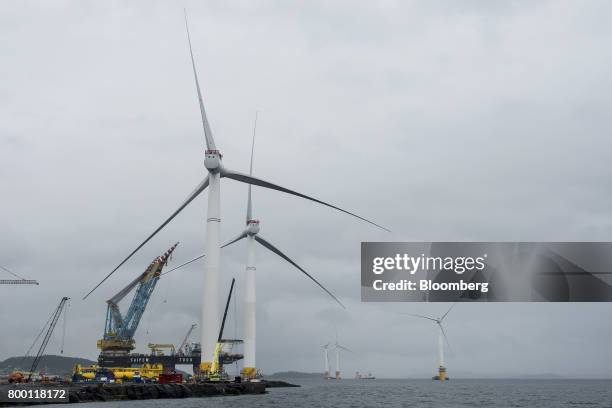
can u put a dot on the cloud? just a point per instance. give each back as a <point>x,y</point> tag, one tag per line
<point>463,121</point>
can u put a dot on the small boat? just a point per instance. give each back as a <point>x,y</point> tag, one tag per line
<point>359,376</point>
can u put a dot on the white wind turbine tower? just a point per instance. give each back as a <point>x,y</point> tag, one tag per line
<point>441,337</point>
<point>251,233</point>
<point>216,171</point>
<point>325,348</point>
<point>337,348</point>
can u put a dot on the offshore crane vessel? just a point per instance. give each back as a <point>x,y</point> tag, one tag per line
<point>117,343</point>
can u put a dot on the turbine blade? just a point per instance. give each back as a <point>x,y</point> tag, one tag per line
<point>286,258</point>
<point>249,204</point>
<point>445,337</point>
<point>262,183</point>
<point>448,311</point>
<point>208,136</point>
<point>238,238</point>
<point>201,187</point>
<point>421,316</point>
<point>345,349</point>
<point>184,264</point>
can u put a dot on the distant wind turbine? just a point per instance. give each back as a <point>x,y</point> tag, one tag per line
<point>337,348</point>
<point>441,337</point>
<point>216,171</point>
<point>325,348</point>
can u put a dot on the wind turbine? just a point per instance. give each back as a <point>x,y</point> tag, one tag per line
<point>325,348</point>
<point>441,337</point>
<point>337,348</point>
<point>216,171</point>
<point>251,233</point>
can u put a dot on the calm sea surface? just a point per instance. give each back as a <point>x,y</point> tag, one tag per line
<point>405,393</point>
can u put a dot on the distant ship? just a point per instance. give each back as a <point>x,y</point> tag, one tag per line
<point>359,376</point>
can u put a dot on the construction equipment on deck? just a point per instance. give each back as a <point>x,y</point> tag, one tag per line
<point>144,373</point>
<point>182,349</point>
<point>55,317</point>
<point>156,349</point>
<point>16,377</point>
<point>215,373</point>
<point>20,281</point>
<point>118,343</point>
<point>118,339</point>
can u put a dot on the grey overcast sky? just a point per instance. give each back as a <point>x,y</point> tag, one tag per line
<point>444,120</point>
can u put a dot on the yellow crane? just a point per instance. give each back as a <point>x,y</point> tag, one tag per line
<point>215,373</point>
<point>156,348</point>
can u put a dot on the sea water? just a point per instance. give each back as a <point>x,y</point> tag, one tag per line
<point>352,393</point>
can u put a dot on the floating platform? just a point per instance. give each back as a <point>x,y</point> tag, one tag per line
<point>97,392</point>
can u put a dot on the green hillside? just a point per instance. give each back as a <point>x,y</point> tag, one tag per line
<point>50,364</point>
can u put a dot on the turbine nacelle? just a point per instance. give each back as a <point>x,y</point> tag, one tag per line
<point>212,160</point>
<point>252,227</point>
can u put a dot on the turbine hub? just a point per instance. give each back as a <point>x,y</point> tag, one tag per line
<point>212,160</point>
<point>252,227</point>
